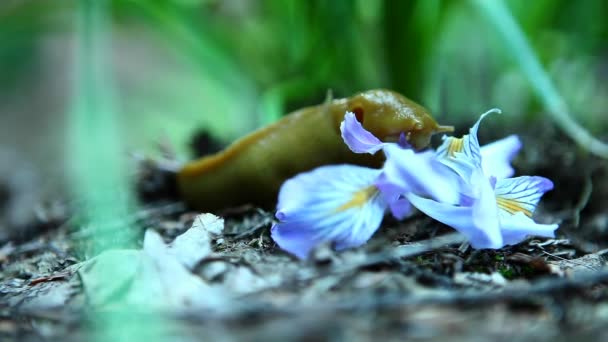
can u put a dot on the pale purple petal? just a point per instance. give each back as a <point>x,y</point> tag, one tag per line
<point>471,146</point>
<point>515,228</point>
<point>406,171</point>
<point>496,157</point>
<point>295,238</point>
<point>393,195</point>
<point>336,203</point>
<point>521,194</point>
<point>485,210</point>
<point>473,141</point>
<point>402,142</point>
<point>326,183</point>
<point>400,208</point>
<point>357,138</point>
<point>482,232</point>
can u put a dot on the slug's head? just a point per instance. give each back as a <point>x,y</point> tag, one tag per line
<point>387,115</point>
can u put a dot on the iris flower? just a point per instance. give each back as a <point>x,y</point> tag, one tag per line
<point>340,204</point>
<point>493,210</point>
<point>461,185</point>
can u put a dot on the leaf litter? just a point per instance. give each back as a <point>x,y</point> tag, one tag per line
<point>416,278</point>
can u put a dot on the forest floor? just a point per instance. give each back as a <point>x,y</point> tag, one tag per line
<point>414,279</point>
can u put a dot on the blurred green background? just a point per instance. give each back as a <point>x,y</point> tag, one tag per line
<point>169,68</point>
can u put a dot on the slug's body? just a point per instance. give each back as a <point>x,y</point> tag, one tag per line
<point>252,169</point>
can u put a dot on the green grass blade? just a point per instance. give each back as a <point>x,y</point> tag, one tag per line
<point>500,17</point>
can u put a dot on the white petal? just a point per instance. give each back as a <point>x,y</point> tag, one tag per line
<point>496,157</point>
<point>515,228</point>
<point>485,210</point>
<point>480,233</point>
<point>420,173</point>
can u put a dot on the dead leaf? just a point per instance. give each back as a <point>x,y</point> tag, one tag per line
<point>195,244</point>
<point>163,281</point>
<point>495,280</point>
<point>158,276</point>
<point>590,262</point>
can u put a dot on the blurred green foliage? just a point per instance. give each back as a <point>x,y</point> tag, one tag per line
<point>230,66</point>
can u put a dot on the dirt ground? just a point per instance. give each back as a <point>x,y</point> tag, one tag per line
<point>414,279</point>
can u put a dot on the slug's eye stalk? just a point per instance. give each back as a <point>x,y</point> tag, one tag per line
<point>444,129</point>
<point>420,139</point>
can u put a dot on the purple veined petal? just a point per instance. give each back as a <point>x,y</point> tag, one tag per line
<point>336,203</point>
<point>357,138</point>
<point>520,194</point>
<point>496,157</point>
<point>467,146</point>
<point>515,228</point>
<point>480,233</point>
<point>406,171</point>
<point>473,141</point>
<point>471,146</point>
<point>463,167</point>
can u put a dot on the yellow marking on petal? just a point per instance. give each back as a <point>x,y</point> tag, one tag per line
<point>455,145</point>
<point>359,198</point>
<point>512,206</point>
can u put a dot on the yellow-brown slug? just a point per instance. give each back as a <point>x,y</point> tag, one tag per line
<point>252,169</point>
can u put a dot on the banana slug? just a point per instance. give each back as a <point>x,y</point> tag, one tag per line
<point>252,169</point>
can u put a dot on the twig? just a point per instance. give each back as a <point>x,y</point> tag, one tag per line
<point>573,262</point>
<point>401,252</point>
<point>412,250</point>
<point>265,220</point>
